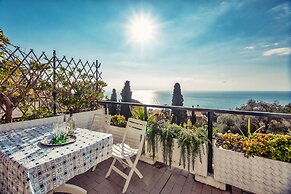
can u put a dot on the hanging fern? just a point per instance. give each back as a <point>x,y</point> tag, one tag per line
<point>167,135</point>
<point>191,140</point>
<point>156,123</point>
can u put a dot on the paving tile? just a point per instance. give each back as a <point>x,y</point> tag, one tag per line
<point>225,192</point>
<point>187,187</point>
<point>190,178</point>
<point>180,180</point>
<point>168,187</point>
<point>236,190</point>
<point>216,191</point>
<point>196,187</point>
<point>176,189</point>
<point>204,191</point>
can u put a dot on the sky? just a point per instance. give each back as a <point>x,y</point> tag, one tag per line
<point>203,45</point>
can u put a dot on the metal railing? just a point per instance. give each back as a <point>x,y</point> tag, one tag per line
<point>210,114</point>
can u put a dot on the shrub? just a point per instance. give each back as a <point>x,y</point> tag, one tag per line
<point>118,121</point>
<point>272,146</point>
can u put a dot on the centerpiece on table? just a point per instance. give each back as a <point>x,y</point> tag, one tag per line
<point>62,133</point>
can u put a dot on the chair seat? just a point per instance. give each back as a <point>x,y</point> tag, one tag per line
<point>123,151</point>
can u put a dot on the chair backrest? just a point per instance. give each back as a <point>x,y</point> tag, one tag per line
<point>135,133</point>
<point>84,119</point>
<point>100,122</point>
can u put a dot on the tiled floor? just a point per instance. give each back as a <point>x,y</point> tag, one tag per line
<point>156,180</point>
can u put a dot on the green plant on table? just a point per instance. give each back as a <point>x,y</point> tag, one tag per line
<point>61,139</point>
<point>118,121</point>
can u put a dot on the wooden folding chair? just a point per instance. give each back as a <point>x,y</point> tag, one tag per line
<point>100,123</point>
<point>132,144</point>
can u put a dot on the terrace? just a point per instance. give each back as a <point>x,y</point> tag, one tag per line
<point>48,86</point>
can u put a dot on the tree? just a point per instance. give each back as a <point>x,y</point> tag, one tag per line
<point>193,117</point>
<point>237,123</point>
<point>113,107</point>
<point>179,116</point>
<point>277,125</point>
<point>27,85</point>
<point>20,82</point>
<point>126,95</point>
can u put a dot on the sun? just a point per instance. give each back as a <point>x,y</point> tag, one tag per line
<point>142,29</point>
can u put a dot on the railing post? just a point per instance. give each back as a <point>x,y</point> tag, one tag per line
<point>145,113</point>
<point>210,149</point>
<point>54,84</point>
<point>106,108</point>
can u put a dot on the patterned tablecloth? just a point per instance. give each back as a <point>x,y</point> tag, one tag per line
<point>27,167</point>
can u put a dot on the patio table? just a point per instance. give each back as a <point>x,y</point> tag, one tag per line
<point>26,166</point>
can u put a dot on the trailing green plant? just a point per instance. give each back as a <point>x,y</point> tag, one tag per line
<point>191,140</point>
<point>272,146</point>
<point>156,121</point>
<point>166,136</point>
<point>118,121</point>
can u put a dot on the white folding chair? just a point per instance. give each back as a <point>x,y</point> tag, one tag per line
<point>100,123</point>
<point>132,144</point>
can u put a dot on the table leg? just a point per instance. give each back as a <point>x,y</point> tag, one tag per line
<point>69,188</point>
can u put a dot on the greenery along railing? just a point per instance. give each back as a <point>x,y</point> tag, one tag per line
<point>211,113</point>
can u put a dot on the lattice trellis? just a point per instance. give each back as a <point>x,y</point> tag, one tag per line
<point>34,82</point>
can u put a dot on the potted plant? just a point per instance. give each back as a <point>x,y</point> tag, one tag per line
<point>191,140</point>
<point>260,163</point>
<point>116,128</point>
<point>178,145</point>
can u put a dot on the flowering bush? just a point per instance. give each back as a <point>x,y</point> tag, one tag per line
<point>272,146</point>
<point>118,121</point>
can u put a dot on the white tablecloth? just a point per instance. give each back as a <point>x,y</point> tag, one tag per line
<point>26,166</point>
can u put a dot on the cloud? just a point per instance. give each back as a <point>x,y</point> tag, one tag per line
<point>282,9</point>
<point>277,51</point>
<point>250,47</point>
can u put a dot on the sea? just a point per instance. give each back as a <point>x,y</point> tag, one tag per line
<point>211,99</point>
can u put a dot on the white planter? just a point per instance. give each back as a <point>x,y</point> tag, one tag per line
<point>199,168</point>
<point>254,174</point>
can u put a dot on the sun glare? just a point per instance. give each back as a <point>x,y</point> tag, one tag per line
<point>142,29</point>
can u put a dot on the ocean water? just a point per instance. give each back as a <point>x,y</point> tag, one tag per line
<point>219,100</point>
